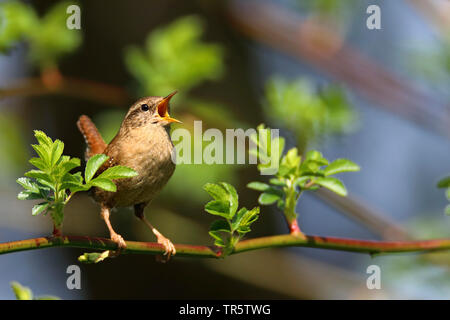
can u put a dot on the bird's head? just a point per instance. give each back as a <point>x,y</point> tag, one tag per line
<point>150,111</point>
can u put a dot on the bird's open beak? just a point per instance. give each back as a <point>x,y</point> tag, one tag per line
<point>163,108</point>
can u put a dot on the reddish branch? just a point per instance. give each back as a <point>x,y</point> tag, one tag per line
<point>185,250</point>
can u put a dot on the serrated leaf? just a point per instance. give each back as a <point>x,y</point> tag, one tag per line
<point>216,191</point>
<point>233,198</point>
<point>238,218</point>
<point>340,165</point>
<point>28,195</point>
<point>43,153</point>
<point>248,218</point>
<point>56,152</point>
<point>38,174</point>
<point>28,184</point>
<point>218,208</point>
<point>259,186</point>
<point>43,139</point>
<point>93,165</point>
<point>118,172</point>
<point>39,208</point>
<point>444,183</point>
<point>69,165</point>
<point>268,198</point>
<point>332,184</point>
<point>104,184</point>
<point>38,163</point>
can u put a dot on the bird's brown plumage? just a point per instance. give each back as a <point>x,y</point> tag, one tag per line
<point>143,144</point>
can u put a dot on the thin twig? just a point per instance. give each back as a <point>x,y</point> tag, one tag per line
<point>73,87</point>
<point>200,251</point>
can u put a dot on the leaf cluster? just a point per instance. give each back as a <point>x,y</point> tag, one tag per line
<point>234,223</point>
<point>175,58</point>
<point>54,184</point>
<point>296,173</point>
<point>48,37</point>
<point>308,113</point>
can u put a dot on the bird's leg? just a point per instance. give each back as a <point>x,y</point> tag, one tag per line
<point>117,238</point>
<point>167,244</point>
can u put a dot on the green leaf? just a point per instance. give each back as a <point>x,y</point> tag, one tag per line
<point>259,186</point>
<point>278,182</point>
<point>28,184</point>
<point>216,231</point>
<point>38,163</point>
<point>38,174</point>
<point>21,292</point>
<point>444,183</point>
<point>340,165</point>
<point>233,198</point>
<point>220,225</point>
<point>94,257</point>
<point>216,191</point>
<point>218,208</point>
<point>93,165</point>
<point>69,164</point>
<point>447,210</point>
<point>248,218</point>
<point>226,199</point>
<point>268,198</point>
<point>39,208</point>
<point>118,172</point>
<point>238,218</point>
<point>43,139</point>
<point>28,195</point>
<point>317,157</point>
<point>44,154</point>
<point>56,152</point>
<point>104,184</point>
<point>332,184</point>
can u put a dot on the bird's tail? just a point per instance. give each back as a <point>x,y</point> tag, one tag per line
<point>94,140</point>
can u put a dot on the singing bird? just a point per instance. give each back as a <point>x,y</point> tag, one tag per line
<point>143,143</point>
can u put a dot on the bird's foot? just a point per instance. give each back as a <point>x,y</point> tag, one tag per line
<point>169,248</point>
<point>117,238</point>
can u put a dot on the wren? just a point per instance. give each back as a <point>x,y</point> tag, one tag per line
<point>142,143</point>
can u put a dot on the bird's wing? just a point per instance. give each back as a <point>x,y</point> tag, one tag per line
<point>94,140</point>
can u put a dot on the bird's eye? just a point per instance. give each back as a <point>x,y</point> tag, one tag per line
<point>144,107</point>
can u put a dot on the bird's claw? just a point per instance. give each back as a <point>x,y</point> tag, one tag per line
<point>169,248</point>
<point>117,238</point>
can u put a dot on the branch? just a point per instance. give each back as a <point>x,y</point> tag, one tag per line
<point>72,87</point>
<point>185,250</point>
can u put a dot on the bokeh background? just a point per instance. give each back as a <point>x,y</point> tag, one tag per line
<point>311,68</point>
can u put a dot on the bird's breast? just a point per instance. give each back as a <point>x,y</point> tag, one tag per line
<point>149,153</point>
